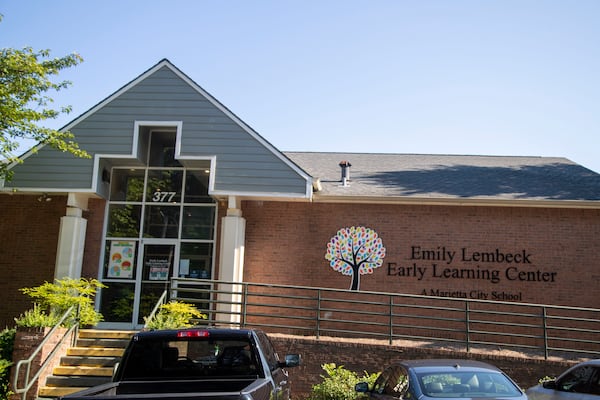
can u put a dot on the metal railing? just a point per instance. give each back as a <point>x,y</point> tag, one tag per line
<point>28,380</point>
<point>457,322</point>
<point>161,300</point>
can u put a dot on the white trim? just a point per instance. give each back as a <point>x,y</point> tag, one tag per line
<point>178,125</point>
<point>258,194</point>
<point>29,190</point>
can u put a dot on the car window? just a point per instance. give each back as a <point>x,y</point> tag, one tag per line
<point>268,351</point>
<point>467,384</point>
<point>393,382</point>
<point>580,380</point>
<point>595,383</point>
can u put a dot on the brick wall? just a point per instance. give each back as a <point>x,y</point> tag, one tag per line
<point>27,341</point>
<point>560,249</point>
<point>29,237</point>
<point>286,244</point>
<point>370,357</point>
<point>93,237</point>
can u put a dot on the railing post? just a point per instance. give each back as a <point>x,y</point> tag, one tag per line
<point>391,326</point>
<point>76,330</point>
<point>468,326</point>
<point>545,327</point>
<point>318,313</point>
<point>244,305</point>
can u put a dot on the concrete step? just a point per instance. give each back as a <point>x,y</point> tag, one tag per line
<point>82,371</point>
<point>95,352</point>
<point>53,392</point>
<point>105,334</point>
<point>76,381</point>
<point>89,361</point>
<point>102,342</point>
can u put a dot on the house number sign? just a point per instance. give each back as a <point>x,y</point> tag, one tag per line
<point>163,197</point>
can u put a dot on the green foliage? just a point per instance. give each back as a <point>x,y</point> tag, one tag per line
<point>174,315</point>
<point>25,79</point>
<point>546,378</point>
<point>37,317</point>
<point>7,340</point>
<point>5,379</point>
<point>52,300</point>
<point>339,383</point>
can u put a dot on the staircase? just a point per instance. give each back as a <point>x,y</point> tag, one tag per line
<point>89,363</point>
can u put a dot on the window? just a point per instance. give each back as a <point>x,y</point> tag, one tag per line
<point>163,200</point>
<point>581,380</point>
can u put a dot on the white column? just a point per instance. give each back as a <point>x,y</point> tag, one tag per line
<point>231,267</point>
<point>71,238</point>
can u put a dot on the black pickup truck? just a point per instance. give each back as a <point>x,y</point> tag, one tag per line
<point>216,364</point>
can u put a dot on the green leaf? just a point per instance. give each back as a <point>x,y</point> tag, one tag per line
<point>26,77</point>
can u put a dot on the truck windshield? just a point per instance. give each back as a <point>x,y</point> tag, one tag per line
<point>190,358</point>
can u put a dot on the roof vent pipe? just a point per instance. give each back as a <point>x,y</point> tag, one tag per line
<point>345,165</point>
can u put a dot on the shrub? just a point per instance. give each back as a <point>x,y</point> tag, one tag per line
<point>174,315</point>
<point>37,317</point>
<point>52,300</point>
<point>545,379</point>
<point>7,339</point>
<point>339,383</point>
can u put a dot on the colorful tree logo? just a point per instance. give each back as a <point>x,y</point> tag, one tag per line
<point>355,251</point>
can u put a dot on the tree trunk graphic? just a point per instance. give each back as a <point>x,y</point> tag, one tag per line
<point>355,279</point>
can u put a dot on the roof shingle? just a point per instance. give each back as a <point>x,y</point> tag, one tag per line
<point>451,176</point>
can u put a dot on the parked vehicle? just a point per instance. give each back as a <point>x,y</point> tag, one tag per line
<point>215,364</point>
<point>580,382</point>
<point>442,379</point>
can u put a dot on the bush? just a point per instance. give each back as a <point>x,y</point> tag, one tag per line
<point>174,315</point>
<point>7,340</point>
<point>339,383</point>
<point>545,379</point>
<point>52,300</point>
<point>37,317</point>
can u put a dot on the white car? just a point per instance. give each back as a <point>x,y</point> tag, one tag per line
<point>580,382</point>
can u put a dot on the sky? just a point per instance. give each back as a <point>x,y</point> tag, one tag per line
<point>487,77</point>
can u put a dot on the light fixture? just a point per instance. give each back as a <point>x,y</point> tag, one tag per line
<point>44,198</point>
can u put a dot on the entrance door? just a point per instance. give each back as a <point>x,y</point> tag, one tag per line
<point>131,293</point>
<point>156,262</point>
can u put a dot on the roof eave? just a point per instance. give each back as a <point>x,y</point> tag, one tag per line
<point>576,204</point>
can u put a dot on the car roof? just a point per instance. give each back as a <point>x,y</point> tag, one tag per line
<point>595,363</point>
<point>591,362</point>
<point>424,365</point>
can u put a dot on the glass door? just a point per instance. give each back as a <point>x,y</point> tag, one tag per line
<point>156,264</point>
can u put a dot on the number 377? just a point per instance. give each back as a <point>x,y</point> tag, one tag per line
<point>163,197</point>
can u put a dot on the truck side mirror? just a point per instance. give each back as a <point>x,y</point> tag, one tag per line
<point>291,360</point>
<point>550,384</point>
<point>361,387</point>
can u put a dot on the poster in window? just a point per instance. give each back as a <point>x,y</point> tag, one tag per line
<point>158,268</point>
<point>120,264</point>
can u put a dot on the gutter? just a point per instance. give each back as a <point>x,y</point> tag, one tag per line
<point>567,204</point>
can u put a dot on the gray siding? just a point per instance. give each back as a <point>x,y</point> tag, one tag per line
<point>243,162</point>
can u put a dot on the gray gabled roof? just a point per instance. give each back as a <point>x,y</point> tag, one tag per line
<point>550,181</point>
<point>115,133</point>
